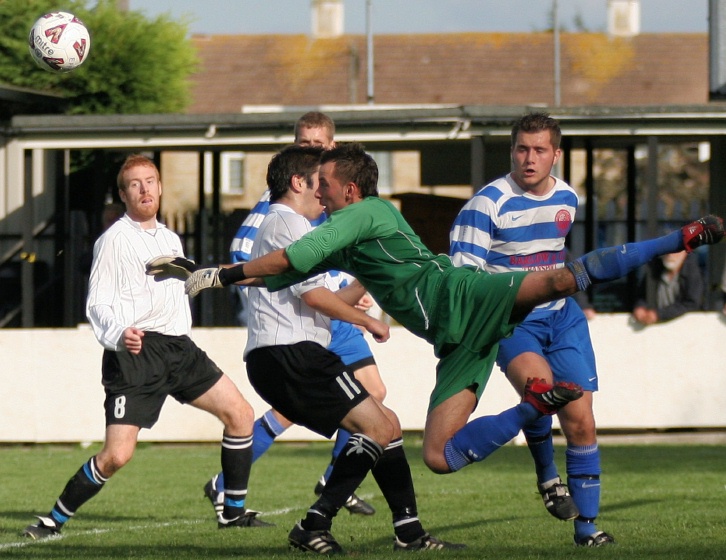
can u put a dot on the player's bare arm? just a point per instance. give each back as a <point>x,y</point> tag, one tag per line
<point>353,293</point>
<point>328,303</point>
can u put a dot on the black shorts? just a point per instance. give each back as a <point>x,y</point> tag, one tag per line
<point>308,384</point>
<point>137,385</point>
<point>358,364</point>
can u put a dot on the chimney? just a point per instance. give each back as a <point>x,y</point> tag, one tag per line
<point>327,18</point>
<point>623,18</point>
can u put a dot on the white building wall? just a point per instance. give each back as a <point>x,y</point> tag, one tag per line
<point>664,376</point>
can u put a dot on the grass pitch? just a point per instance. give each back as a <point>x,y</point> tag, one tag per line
<point>659,501</point>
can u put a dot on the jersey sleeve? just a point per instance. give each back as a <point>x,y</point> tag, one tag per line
<point>349,226</point>
<point>106,271</point>
<point>319,250</point>
<point>472,232</point>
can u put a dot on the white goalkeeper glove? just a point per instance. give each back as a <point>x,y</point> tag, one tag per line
<point>168,266</point>
<point>201,280</point>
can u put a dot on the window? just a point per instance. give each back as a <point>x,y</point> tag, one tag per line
<point>385,171</point>
<point>233,168</point>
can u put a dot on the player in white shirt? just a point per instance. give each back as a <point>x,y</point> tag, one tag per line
<point>144,327</point>
<point>347,341</point>
<point>289,365</point>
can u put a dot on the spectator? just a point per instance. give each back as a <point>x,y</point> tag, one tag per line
<point>679,288</point>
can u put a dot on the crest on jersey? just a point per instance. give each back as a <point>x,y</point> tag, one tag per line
<point>563,221</point>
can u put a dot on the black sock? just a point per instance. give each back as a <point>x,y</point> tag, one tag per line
<point>357,458</point>
<point>393,475</point>
<point>236,464</point>
<point>82,486</point>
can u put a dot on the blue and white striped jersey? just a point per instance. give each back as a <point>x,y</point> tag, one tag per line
<point>241,247</point>
<point>503,228</point>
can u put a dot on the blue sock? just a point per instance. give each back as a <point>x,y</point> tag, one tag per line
<point>542,448</point>
<point>265,430</point>
<point>583,479</point>
<point>482,436</point>
<point>603,265</point>
<point>340,441</point>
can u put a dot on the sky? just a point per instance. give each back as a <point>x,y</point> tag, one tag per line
<point>422,16</point>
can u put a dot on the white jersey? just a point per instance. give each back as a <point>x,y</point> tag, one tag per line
<point>503,228</point>
<point>282,317</point>
<point>121,295</point>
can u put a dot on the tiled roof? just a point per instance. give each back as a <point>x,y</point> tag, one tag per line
<point>453,68</point>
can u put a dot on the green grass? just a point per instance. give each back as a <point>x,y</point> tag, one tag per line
<point>659,501</point>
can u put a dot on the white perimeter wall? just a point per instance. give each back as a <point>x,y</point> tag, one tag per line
<point>664,376</point>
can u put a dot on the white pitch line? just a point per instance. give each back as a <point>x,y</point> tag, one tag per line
<point>29,542</point>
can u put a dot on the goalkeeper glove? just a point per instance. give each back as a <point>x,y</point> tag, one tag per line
<point>201,280</point>
<point>220,277</point>
<point>166,267</point>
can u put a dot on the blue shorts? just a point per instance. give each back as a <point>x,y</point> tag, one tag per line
<point>350,345</point>
<point>562,338</point>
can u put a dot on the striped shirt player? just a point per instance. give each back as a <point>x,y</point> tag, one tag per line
<point>503,228</point>
<point>241,247</point>
<point>311,129</point>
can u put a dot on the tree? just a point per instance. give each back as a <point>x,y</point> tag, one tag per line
<point>135,65</point>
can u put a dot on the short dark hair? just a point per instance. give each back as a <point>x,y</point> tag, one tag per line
<point>288,162</point>
<point>315,119</point>
<point>538,122</point>
<point>354,165</point>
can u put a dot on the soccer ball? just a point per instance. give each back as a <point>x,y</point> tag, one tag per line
<point>59,42</point>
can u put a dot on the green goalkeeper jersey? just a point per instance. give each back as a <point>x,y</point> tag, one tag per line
<point>462,311</point>
<point>372,241</point>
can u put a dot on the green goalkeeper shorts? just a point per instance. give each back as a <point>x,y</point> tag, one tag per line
<point>473,315</point>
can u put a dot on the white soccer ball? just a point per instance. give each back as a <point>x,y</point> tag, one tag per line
<point>59,42</point>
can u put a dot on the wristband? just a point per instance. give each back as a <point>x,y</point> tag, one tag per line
<point>582,279</point>
<point>232,275</point>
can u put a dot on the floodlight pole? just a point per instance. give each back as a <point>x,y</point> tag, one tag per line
<point>556,33</point>
<point>369,44</point>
